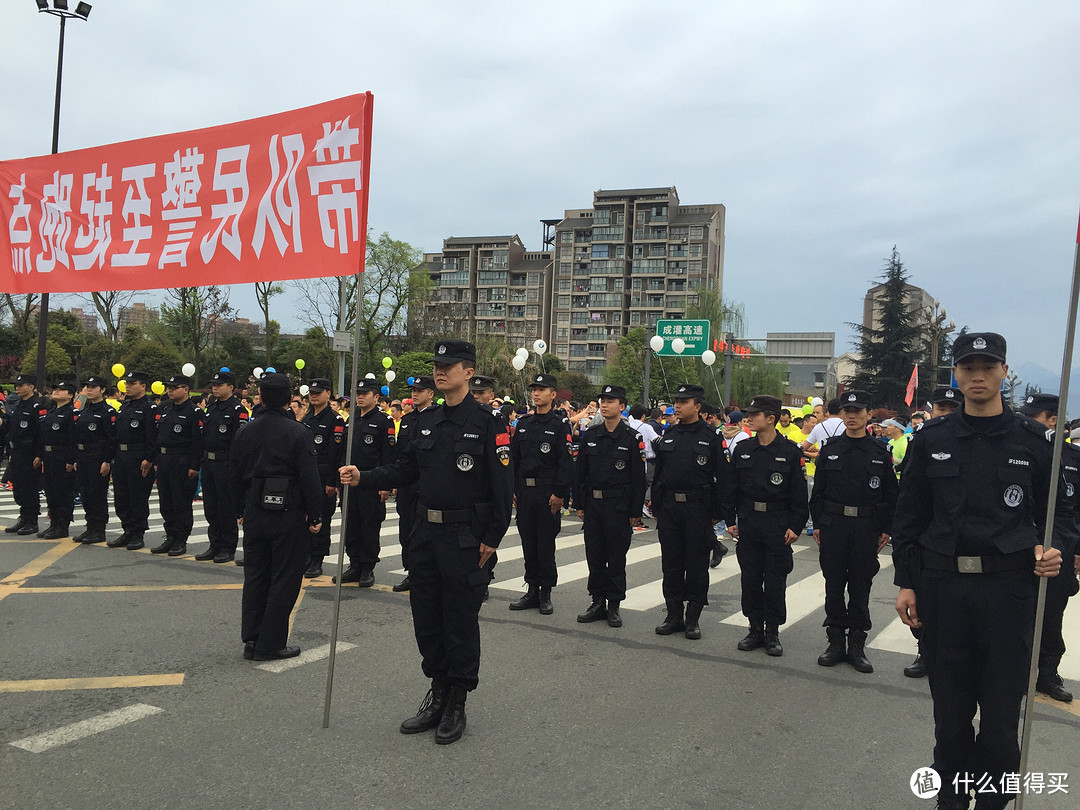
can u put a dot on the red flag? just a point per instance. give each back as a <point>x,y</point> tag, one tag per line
<point>912,384</point>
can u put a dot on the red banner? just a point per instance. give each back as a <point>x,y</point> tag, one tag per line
<point>284,196</point>
<point>912,384</point>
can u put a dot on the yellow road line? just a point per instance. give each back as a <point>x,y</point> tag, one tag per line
<point>231,586</point>
<point>1071,708</point>
<point>112,682</point>
<point>13,581</point>
<point>296,607</point>
<point>27,540</point>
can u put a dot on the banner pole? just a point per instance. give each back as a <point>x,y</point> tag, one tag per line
<point>344,497</point>
<point>1051,505</point>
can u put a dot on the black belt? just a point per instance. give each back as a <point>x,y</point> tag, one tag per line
<point>444,515</point>
<point>601,494</point>
<point>132,447</point>
<point>989,564</point>
<point>175,451</point>
<point>216,456</point>
<point>95,446</point>
<point>537,482</point>
<point>763,506</point>
<point>56,448</point>
<point>849,511</point>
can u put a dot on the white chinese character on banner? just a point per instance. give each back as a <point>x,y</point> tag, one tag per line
<point>97,235</point>
<point>1056,783</point>
<point>334,151</point>
<point>235,185</point>
<point>136,206</point>
<point>182,186</point>
<point>279,204</point>
<point>19,230</point>
<point>55,225</point>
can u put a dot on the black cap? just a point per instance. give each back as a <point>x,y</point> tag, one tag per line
<point>944,395</point>
<point>319,384</point>
<point>271,381</point>
<point>226,377</point>
<point>1037,403</point>
<point>66,385</point>
<point>855,399</point>
<point>481,383</point>
<point>367,384</point>
<point>100,382</point>
<point>988,344</point>
<point>689,392</point>
<point>764,403</point>
<point>734,417</point>
<point>26,379</point>
<point>454,351</point>
<point>544,381</point>
<point>137,376</point>
<point>423,382</point>
<point>613,392</point>
<point>176,380</point>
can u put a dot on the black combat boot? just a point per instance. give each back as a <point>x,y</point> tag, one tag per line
<point>165,547</point>
<point>453,719</point>
<point>614,618</point>
<point>718,552</point>
<point>14,527</point>
<point>856,652</point>
<point>47,529</point>
<point>30,526</point>
<point>916,669</point>
<point>314,568</point>
<point>179,547</point>
<point>545,606</point>
<point>596,611</point>
<point>773,646</point>
<point>56,531</point>
<point>1049,682</point>
<point>120,540</point>
<point>674,621</point>
<point>837,649</point>
<point>755,638</point>
<point>209,554</point>
<point>430,712</point>
<point>82,535</point>
<point>528,600</point>
<point>135,541</point>
<point>95,533</point>
<point>693,613</point>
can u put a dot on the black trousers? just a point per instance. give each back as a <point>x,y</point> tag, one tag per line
<point>447,586</point>
<point>59,486</point>
<point>607,539</point>
<point>219,505</point>
<point>538,528</point>
<point>1058,591</point>
<point>275,554</point>
<point>175,493</point>
<point>366,515</point>
<point>406,509</point>
<point>131,491</point>
<point>765,561</point>
<point>849,561</point>
<point>976,641</point>
<point>93,486</point>
<point>319,544</point>
<point>25,482</point>
<point>686,541</point>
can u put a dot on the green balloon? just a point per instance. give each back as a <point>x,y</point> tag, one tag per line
<point>387,362</point>
<point>440,401</point>
<point>300,363</point>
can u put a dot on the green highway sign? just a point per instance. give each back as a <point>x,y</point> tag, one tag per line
<point>695,334</point>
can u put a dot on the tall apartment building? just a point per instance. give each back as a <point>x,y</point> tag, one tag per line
<point>634,257</point>
<point>917,300</point>
<point>138,314</point>
<point>487,285</point>
<point>89,320</point>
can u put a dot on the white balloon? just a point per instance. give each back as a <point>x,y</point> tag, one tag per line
<point>391,375</point>
<point>370,375</point>
<point>518,362</point>
<point>708,357</point>
<point>257,372</point>
<point>678,345</point>
<point>539,346</point>
<point>522,352</point>
<point>815,401</point>
<point>304,390</point>
<point>656,343</point>
<point>188,369</point>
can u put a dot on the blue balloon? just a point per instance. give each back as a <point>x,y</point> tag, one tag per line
<point>271,370</point>
<point>386,390</point>
<point>225,369</point>
<point>410,381</point>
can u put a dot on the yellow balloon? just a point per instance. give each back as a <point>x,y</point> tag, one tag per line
<point>122,387</point>
<point>387,362</point>
<point>118,369</point>
<point>300,363</point>
<point>158,387</point>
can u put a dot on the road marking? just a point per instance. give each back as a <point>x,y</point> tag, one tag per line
<point>26,540</point>
<point>85,728</point>
<point>895,637</point>
<point>306,657</point>
<point>1071,708</point>
<point>13,581</point>
<point>230,586</point>
<point>109,682</point>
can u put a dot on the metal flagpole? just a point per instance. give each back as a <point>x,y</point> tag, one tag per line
<point>344,496</point>
<point>1048,531</point>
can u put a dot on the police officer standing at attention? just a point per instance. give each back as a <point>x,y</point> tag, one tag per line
<point>56,460</point>
<point>772,510</point>
<point>328,434</point>
<point>277,492</point>
<point>177,458</point>
<point>692,491</point>
<point>852,507</point>
<point>94,433</point>
<point>373,446</point>
<point>460,461</point>
<point>966,541</point>
<point>542,453</point>
<point>609,491</point>
<point>423,394</point>
<point>224,415</point>
<point>483,390</point>
<point>22,435</point>
<point>133,470</point>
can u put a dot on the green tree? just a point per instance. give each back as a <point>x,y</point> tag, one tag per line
<point>264,291</point>
<point>158,360</point>
<point>57,361</point>
<point>627,368</point>
<point>753,375</point>
<point>22,309</point>
<point>410,364</point>
<point>192,318</point>
<point>239,355</point>
<point>313,349</point>
<point>581,388</point>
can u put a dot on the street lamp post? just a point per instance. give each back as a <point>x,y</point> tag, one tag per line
<point>58,8</point>
<point>937,329</point>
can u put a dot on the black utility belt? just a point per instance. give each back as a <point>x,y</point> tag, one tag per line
<point>764,506</point>
<point>445,515</point>
<point>537,482</point>
<point>988,564</point>
<point>850,511</point>
<point>175,451</point>
<point>97,446</point>
<point>216,455</point>
<point>686,497</point>
<point>132,448</point>
<point>605,494</point>
<point>56,448</point>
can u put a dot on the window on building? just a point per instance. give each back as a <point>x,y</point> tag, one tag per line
<point>599,251</point>
<point>697,232</point>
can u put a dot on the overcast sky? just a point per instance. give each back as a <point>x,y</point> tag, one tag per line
<point>831,131</point>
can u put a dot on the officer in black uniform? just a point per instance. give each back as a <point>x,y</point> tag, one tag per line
<point>543,455</point>
<point>177,458</point>
<point>693,489</point>
<point>423,392</point>
<point>1043,408</point>
<point>372,446</point>
<point>328,434</point>
<point>225,413</point>
<point>772,508</point>
<point>57,460</point>
<point>460,461</point>
<point>94,434</point>
<point>483,390</point>
<point>133,470</point>
<point>966,538</point>
<point>277,491</point>
<point>852,508</point>
<point>609,491</point>
<point>22,436</point>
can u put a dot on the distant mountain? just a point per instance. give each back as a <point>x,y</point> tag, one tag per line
<point>1049,382</point>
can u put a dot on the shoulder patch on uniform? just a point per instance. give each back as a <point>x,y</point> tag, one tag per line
<point>502,438</point>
